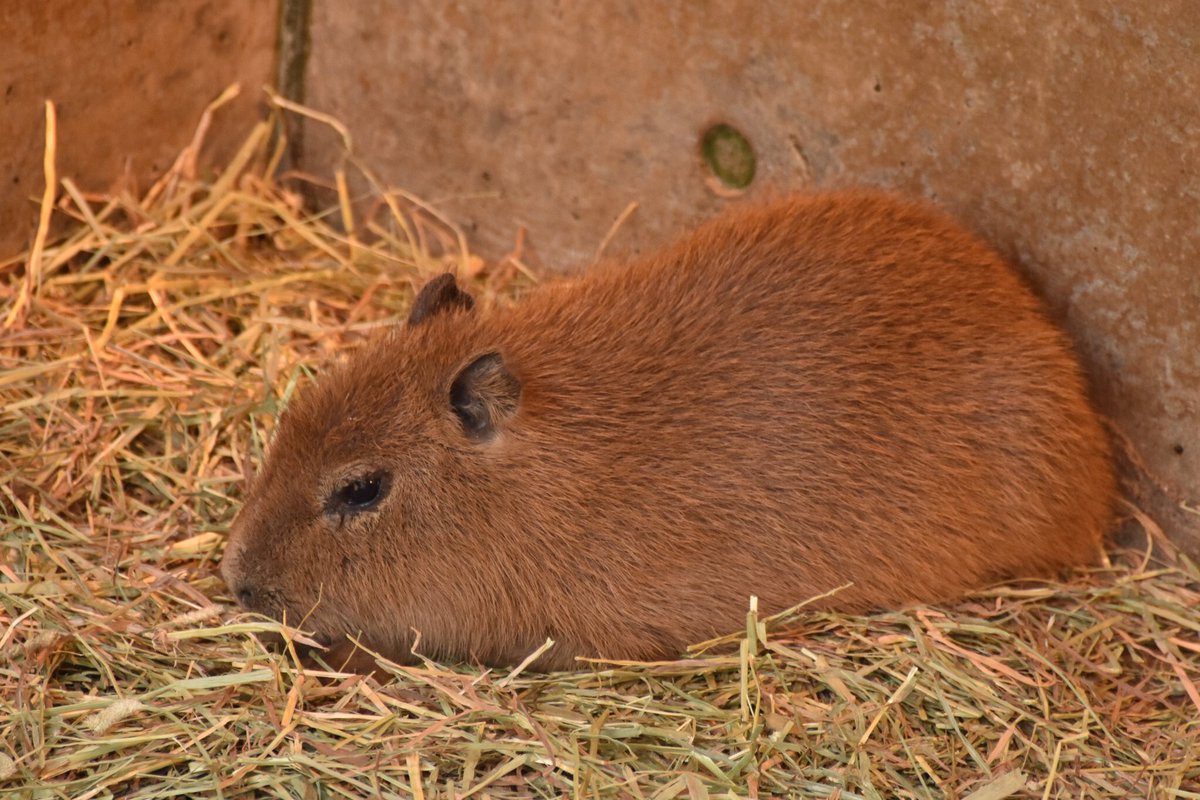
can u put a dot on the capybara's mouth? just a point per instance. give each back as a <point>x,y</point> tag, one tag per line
<point>311,643</point>
<point>337,652</point>
<point>313,649</point>
<point>320,651</point>
<point>278,643</point>
<point>306,644</point>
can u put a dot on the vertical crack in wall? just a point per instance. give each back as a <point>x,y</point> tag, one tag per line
<point>295,39</point>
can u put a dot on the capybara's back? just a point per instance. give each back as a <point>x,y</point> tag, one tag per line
<point>832,389</point>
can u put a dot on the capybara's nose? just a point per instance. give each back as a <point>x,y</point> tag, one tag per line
<point>245,595</point>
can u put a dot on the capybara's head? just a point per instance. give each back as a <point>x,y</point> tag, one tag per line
<point>350,528</point>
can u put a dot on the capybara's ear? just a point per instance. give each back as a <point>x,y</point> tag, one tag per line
<point>439,295</point>
<point>484,396</point>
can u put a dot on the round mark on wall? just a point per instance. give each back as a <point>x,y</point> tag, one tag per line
<point>728,156</point>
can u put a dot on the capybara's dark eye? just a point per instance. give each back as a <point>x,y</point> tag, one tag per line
<point>357,494</point>
<point>360,493</point>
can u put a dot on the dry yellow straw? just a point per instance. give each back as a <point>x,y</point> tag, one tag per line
<point>33,266</point>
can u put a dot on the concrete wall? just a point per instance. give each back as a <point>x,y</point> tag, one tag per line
<point>129,79</point>
<point>1068,134</point>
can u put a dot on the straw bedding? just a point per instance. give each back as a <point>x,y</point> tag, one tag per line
<point>144,354</point>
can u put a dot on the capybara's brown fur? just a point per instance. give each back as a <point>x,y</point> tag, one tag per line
<point>830,389</point>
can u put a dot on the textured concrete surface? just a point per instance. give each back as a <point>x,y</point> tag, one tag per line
<point>129,80</point>
<point>1067,134</point>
